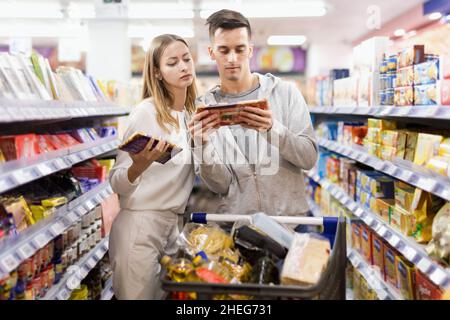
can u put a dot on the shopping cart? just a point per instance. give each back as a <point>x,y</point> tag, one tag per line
<point>331,285</point>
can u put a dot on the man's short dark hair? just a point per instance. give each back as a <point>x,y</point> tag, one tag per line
<point>227,20</point>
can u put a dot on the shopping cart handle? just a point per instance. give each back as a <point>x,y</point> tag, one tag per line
<point>198,217</point>
<point>202,217</point>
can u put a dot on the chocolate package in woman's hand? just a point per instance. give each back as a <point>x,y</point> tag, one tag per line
<point>137,142</point>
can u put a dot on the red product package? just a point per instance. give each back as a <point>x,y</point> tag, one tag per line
<point>445,92</point>
<point>366,243</point>
<point>209,276</point>
<point>425,289</point>
<point>67,139</point>
<point>57,142</point>
<point>358,134</point>
<point>20,146</point>
<point>44,144</point>
<point>446,66</point>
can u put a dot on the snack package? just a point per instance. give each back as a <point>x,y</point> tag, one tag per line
<point>404,96</point>
<point>19,146</point>
<point>427,147</point>
<point>409,154</point>
<point>439,246</point>
<point>377,254</point>
<point>390,153</point>
<point>229,112</point>
<point>356,234</point>
<point>425,289</point>
<point>390,271</point>
<point>439,164</point>
<point>137,142</point>
<point>366,244</point>
<point>374,135</point>
<point>307,258</point>
<point>404,77</point>
<point>426,72</point>
<point>374,149</point>
<point>393,138</point>
<point>411,56</point>
<point>444,148</point>
<point>405,277</point>
<point>395,218</point>
<point>427,95</point>
<point>209,238</point>
<point>383,208</point>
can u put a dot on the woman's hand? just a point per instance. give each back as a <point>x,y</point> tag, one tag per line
<point>143,159</point>
<point>202,125</point>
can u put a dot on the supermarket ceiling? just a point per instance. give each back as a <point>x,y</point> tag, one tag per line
<point>327,21</point>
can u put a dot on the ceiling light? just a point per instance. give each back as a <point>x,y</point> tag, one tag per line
<point>41,10</point>
<point>399,32</point>
<point>435,16</point>
<point>149,31</point>
<point>269,10</point>
<point>412,33</point>
<point>285,40</point>
<point>160,10</point>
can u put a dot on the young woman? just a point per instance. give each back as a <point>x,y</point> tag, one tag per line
<point>152,195</point>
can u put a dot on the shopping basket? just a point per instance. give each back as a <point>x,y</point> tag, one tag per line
<point>331,285</point>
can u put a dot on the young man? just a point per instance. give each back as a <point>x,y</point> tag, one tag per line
<point>256,166</point>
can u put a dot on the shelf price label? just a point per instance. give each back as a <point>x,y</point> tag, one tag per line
<point>41,240</point>
<point>26,251</point>
<point>9,263</point>
<point>57,228</point>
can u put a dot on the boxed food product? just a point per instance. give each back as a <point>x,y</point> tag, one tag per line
<point>307,258</point>
<point>381,186</point>
<point>390,271</point>
<point>395,218</point>
<point>445,92</point>
<point>390,153</point>
<point>411,139</point>
<point>426,72</point>
<point>424,207</point>
<point>384,207</point>
<point>427,94</point>
<point>381,124</point>
<point>427,147</point>
<point>405,77</point>
<point>407,221</point>
<point>345,166</point>
<point>404,194</point>
<point>377,254</point>
<point>439,164</point>
<point>356,234</point>
<point>366,243</point>
<point>404,96</point>
<point>357,284</point>
<point>445,61</point>
<point>19,146</point>
<point>444,148</point>
<point>425,289</point>
<point>409,154</point>
<point>374,135</point>
<point>411,56</point>
<point>363,178</point>
<point>358,134</point>
<point>405,277</point>
<point>333,169</point>
<point>393,138</point>
<point>373,149</point>
<point>364,289</point>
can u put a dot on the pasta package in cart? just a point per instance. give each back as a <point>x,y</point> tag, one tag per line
<point>307,258</point>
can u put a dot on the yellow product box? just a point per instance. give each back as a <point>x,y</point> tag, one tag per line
<point>407,221</point>
<point>404,194</point>
<point>444,148</point>
<point>374,135</point>
<point>364,289</point>
<point>325,201</point>
<point>383,207</point>
<point>424,207</point>
<point>390,153</point>
<point>108,163</point>
<point>395,218</point>
<point>439,164</point>
<point>357,284</point>
<point>427,147</point>
<point>390,271</point>
<point>374,149</point>
<point>41,212</point>
<point>381,124</point>
<point>411,139</point>
<point>393,138</point>
<point>409,154</point>
<point>405,277</point>
<point>54,202</point>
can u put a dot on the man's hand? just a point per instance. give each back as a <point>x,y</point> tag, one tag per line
<point>255,118</point>
<point>202,125</point>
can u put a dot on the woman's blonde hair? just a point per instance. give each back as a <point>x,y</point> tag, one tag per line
<point>156,89</point>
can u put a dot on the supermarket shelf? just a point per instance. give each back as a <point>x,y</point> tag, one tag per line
<point>107,292</point>
<point>25,244</point>
<point>406,171</point>
<point>18,172</point>
<point>427,112</point>
<point>12,111</point>
<point>410,249</point>
<point>384,290</point>
<point>77,272</point>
